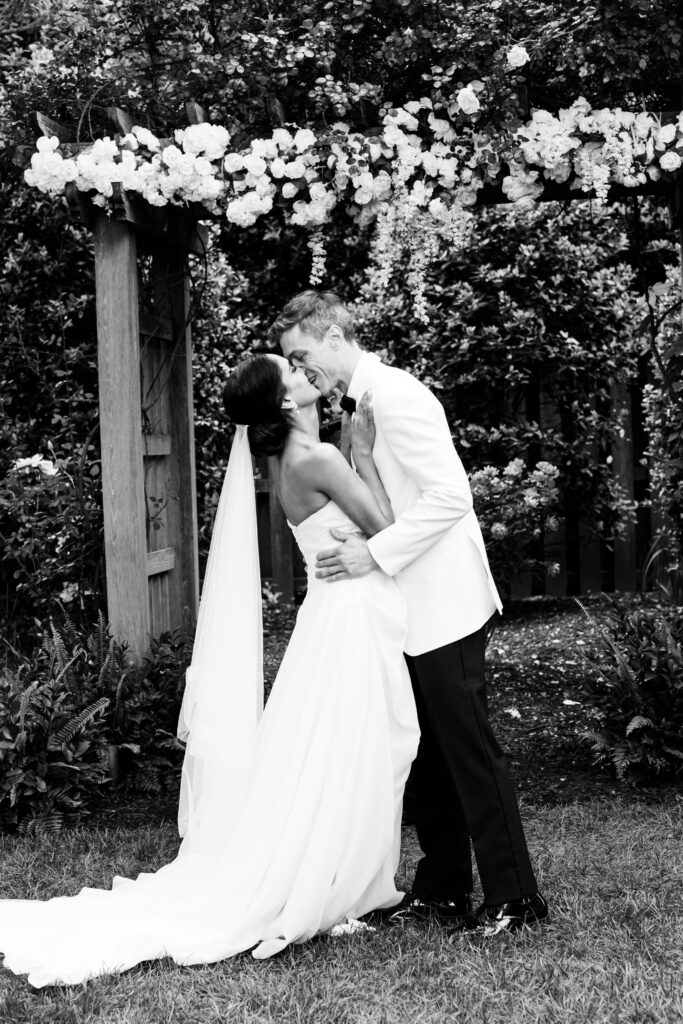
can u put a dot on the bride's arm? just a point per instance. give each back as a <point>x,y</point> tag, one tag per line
<point>360,495</point>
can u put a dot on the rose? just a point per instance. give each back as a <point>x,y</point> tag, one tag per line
<point>295,168</point>
<point>670,161</point>
<point>467,100</point>
<point>255,164</point>
<point>304,139</point>
<point>233,163</point>
<point>517,57</point>
<point>499,531</point>
<point>145,138</point>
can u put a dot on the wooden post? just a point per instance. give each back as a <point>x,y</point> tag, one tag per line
<point>123,490</point>
<point>170,478</point>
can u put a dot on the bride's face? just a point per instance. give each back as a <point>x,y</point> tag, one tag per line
<point>297,386</point>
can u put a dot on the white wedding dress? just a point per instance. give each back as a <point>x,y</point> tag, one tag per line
<point>316,840</point>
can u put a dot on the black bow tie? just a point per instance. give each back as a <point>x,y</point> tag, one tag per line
<point>348,404</point>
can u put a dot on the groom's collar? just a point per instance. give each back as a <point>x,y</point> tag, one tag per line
<point>362,375</point>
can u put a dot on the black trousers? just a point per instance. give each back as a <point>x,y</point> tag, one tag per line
<point>460,782</point>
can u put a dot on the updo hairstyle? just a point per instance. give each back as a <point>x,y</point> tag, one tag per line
<point>253,395</point>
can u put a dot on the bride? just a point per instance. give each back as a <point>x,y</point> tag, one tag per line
<point>290,818</point>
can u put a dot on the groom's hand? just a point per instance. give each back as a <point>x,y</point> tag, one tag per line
<point>352,558</point>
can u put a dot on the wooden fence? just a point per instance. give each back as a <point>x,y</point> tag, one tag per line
<point>587,563</point>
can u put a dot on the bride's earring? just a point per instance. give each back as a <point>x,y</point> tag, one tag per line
<point>289,405</point>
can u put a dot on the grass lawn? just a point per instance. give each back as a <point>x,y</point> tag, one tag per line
<point>610,860</point>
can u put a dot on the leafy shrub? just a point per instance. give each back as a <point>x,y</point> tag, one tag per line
<point>636,695</point>
<point>514,505</point>
<point>49,565</point>
<point>53,755</point>
<point>75,709</point>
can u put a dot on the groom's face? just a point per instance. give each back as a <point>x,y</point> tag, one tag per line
<point>318,358</point>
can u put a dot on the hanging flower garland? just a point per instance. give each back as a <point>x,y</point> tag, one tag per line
<point>417,178</point>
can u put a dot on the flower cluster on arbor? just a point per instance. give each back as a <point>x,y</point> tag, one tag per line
<point>419,176</point>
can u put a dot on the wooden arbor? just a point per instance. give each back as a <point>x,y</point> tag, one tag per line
<point>146,426</point>
<point>146,409</point>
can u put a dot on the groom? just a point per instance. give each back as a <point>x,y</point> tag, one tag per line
<point>435,552</point>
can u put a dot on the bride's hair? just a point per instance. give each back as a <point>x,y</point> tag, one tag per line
<point>253,395</point>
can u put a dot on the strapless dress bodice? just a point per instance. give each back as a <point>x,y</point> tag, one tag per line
<point>313,534</point>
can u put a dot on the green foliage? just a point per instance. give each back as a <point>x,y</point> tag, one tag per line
<point>532,325</point>
<point>50,528</point>
<point>74,706</point>
<point>514,506</point>
<point>636,693</point>
<point>52,754</point>
<point>663,408</point>
<point>255,65</point>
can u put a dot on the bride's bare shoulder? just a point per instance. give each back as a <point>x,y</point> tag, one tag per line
<point>319,458</point>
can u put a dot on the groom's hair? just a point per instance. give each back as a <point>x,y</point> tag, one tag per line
<point>315,312</point>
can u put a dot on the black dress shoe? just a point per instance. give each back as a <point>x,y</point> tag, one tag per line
<point>508,917</point>
<point>451,910</point>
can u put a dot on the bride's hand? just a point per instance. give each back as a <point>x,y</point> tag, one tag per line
<point>363,428</point>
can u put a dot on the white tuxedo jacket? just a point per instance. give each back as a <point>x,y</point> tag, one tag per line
<point>434,549</point>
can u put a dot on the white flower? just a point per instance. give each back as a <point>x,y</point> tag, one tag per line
<point>233,163</point>
<point>245,210</point>
<point>145,138</point>
<point>47,467</point>
<point>282,138</point>
<point>512,712</point>
<point>209,140</point>
<point>670,161</point>
<point>255,164</point>
<point>304,139</point>
<point>295,169</point>
<point>666,134</point>
<point>468,101</point>
<point>30,463</point>
<point>277,167</point>
<point>403,117</point>
<point>318,192</point>
<point>514,468</point>
<point>521,185</point>
<point>499,531</point>
<point>265,148</point>
<point>517,57</point>
<point>289,190</point>
<point>41,56</point>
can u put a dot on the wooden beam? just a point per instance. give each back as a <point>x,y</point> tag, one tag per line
<point>156,444</point>
<point>160,561</point>
<point>154,326</point>
<point>123,489</point>
<point>176,228</point>
<point>121,118</point>
<point>50,127</point>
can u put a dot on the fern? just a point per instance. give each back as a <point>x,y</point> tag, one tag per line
<point>67,732</point>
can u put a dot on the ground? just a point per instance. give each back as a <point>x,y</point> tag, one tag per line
<point>608,857</point>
